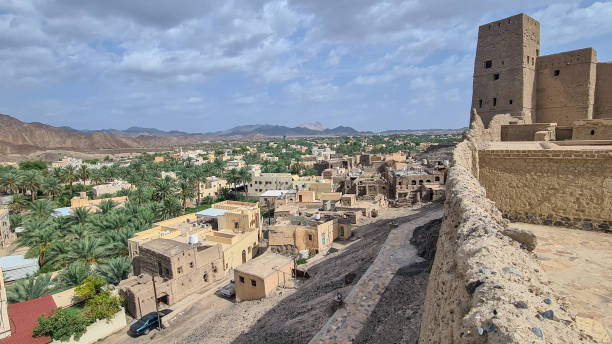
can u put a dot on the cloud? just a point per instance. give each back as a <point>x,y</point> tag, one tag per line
<point>115,62</point>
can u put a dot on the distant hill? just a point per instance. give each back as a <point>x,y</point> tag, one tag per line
<point>280,130</point>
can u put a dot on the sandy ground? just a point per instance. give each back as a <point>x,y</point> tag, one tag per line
<point>579,265</point>
<point>289,315</point>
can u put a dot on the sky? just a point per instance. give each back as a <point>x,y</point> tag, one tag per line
<point>201,66</point>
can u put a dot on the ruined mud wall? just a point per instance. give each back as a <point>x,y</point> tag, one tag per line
<point>562,188</point>
<point>479,276</point>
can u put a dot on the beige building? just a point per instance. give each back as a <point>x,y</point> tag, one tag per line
<point>543,95</point>
<point>92,204</point>
<point>259,277</point>
<point>67,161</point>
<point>110,188</point>
<point>212,186</point>
<point>263,182</point>
<point>6,236</point>
<point>180,269</point>
<point>294,234</point>
<point>5,325</point>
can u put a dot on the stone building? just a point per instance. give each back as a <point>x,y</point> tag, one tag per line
<point>298,233</point>
<point>179,269</point>
<point>93,204</point>
<point>259,277</point>
<point>544,95</point>
<point>110,188</point>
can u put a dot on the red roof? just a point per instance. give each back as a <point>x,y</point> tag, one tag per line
<point>23,320</point>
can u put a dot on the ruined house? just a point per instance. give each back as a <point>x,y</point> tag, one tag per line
<point>179,270</point>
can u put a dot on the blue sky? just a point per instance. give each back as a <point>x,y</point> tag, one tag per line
<point>202,66</point>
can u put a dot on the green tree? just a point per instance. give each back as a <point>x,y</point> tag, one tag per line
<point>73,275</point>
<point>52,187</point>
<point>61,324</point>
<point>186,192</point>
<point>163,189</point>
<point>80,215</point>
<point>116,269</point>
<point>41,209</point>
<point>39,165</point>
<point>245,178</point>
<point>102,306</point>
<point>169,208</point>
<point>32,181</point>
<point>70,176</point>
<point>10,181</point>
<point>29,288</point>
<point>91,286</point>
<point>87,251</point>
<point>18,204</point>
<point>38,236</point>
<point>106,206</point>
<point>83,174</point>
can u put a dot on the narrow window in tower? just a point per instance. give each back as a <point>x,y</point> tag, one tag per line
<point>494,101</point>
<point>527,59</point>
<point>537,52</point>
<point>510,101</point>
<point>496,76</point>
<point>479,103</point>
<point>557,72</point>
<point>488,64</point>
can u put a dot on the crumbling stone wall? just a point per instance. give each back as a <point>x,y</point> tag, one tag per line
<point>570,188</point>
<point>484,287</point>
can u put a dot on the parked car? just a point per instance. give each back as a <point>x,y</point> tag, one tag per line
<point>228,290</point>
<point>145,324</point>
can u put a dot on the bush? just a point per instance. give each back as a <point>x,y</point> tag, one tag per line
<point>61,324</point>
<point>102,306</point>
<point>301,261</point>
<point>90,287</point>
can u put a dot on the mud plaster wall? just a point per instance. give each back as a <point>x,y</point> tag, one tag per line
<point>468,281</point>
<point>561,188</point>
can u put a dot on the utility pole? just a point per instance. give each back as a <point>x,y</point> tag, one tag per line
<point>156,303</point>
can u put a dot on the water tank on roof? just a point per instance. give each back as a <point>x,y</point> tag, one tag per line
<point>213,178</point>
<point>304,254</point>
<point>193,239</point>
<point>317,216</point>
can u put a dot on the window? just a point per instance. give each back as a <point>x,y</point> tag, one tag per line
<point>592,132</point>
<point>494,101</point>
<point>527,59</point>
<point>310,237</point>
<point>236,225</point>
<point>557,72</point>
<point>205,277</point>
<point>510,101</point>
<point>496,76</point>
<point>488,64</point>
<point>253,283</point>
<point>323,239</point>
<point>537,52</point>
<point>414,182</point>
<point>191,265</point>
<point>180,270</point>
<point>437,179</point>
<point>241,279</point>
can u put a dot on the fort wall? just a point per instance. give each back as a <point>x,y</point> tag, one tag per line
<point>570,188</point>
<point>478,273</point>
<point>566,86</point>
<point>603,91</point>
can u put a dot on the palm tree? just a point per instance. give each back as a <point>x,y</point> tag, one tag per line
<point>163,189</point>
<point>52,187</point>
<point>169,208</point>
<point>70,177</point>
<point>84,175</point>
<point>198,176</point>
<point>42,209</point>
<point>106,206</point>
<point>80,216</point>
<point>57,172</point>
<point>116,269</point>
<point>233,177</point>
<point>186,192</point>
<point>73,275</point>
<point>38,236</point>
<point>245,178</point>
<point>32,181</point>
<point>56,253</point>
<point>76,232</point>
<point>29,288</point>
<point>96,177</point>
<point>10,181</point>
<point>118,240</point>
<point>18,203</point>
<point>87,251</point>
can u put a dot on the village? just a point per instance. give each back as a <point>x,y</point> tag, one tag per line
<point>248,227</point>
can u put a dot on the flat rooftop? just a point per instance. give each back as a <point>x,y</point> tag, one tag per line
<point>166,247</point>
<point>264,265</point>
<point>579,265</point>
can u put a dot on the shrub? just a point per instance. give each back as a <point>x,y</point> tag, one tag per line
<point>90,287</point>
<point>61,324</point>
<point>301,261</point>
<point>102,306</point>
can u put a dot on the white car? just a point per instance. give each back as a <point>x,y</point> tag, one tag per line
<point>228,290</point>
